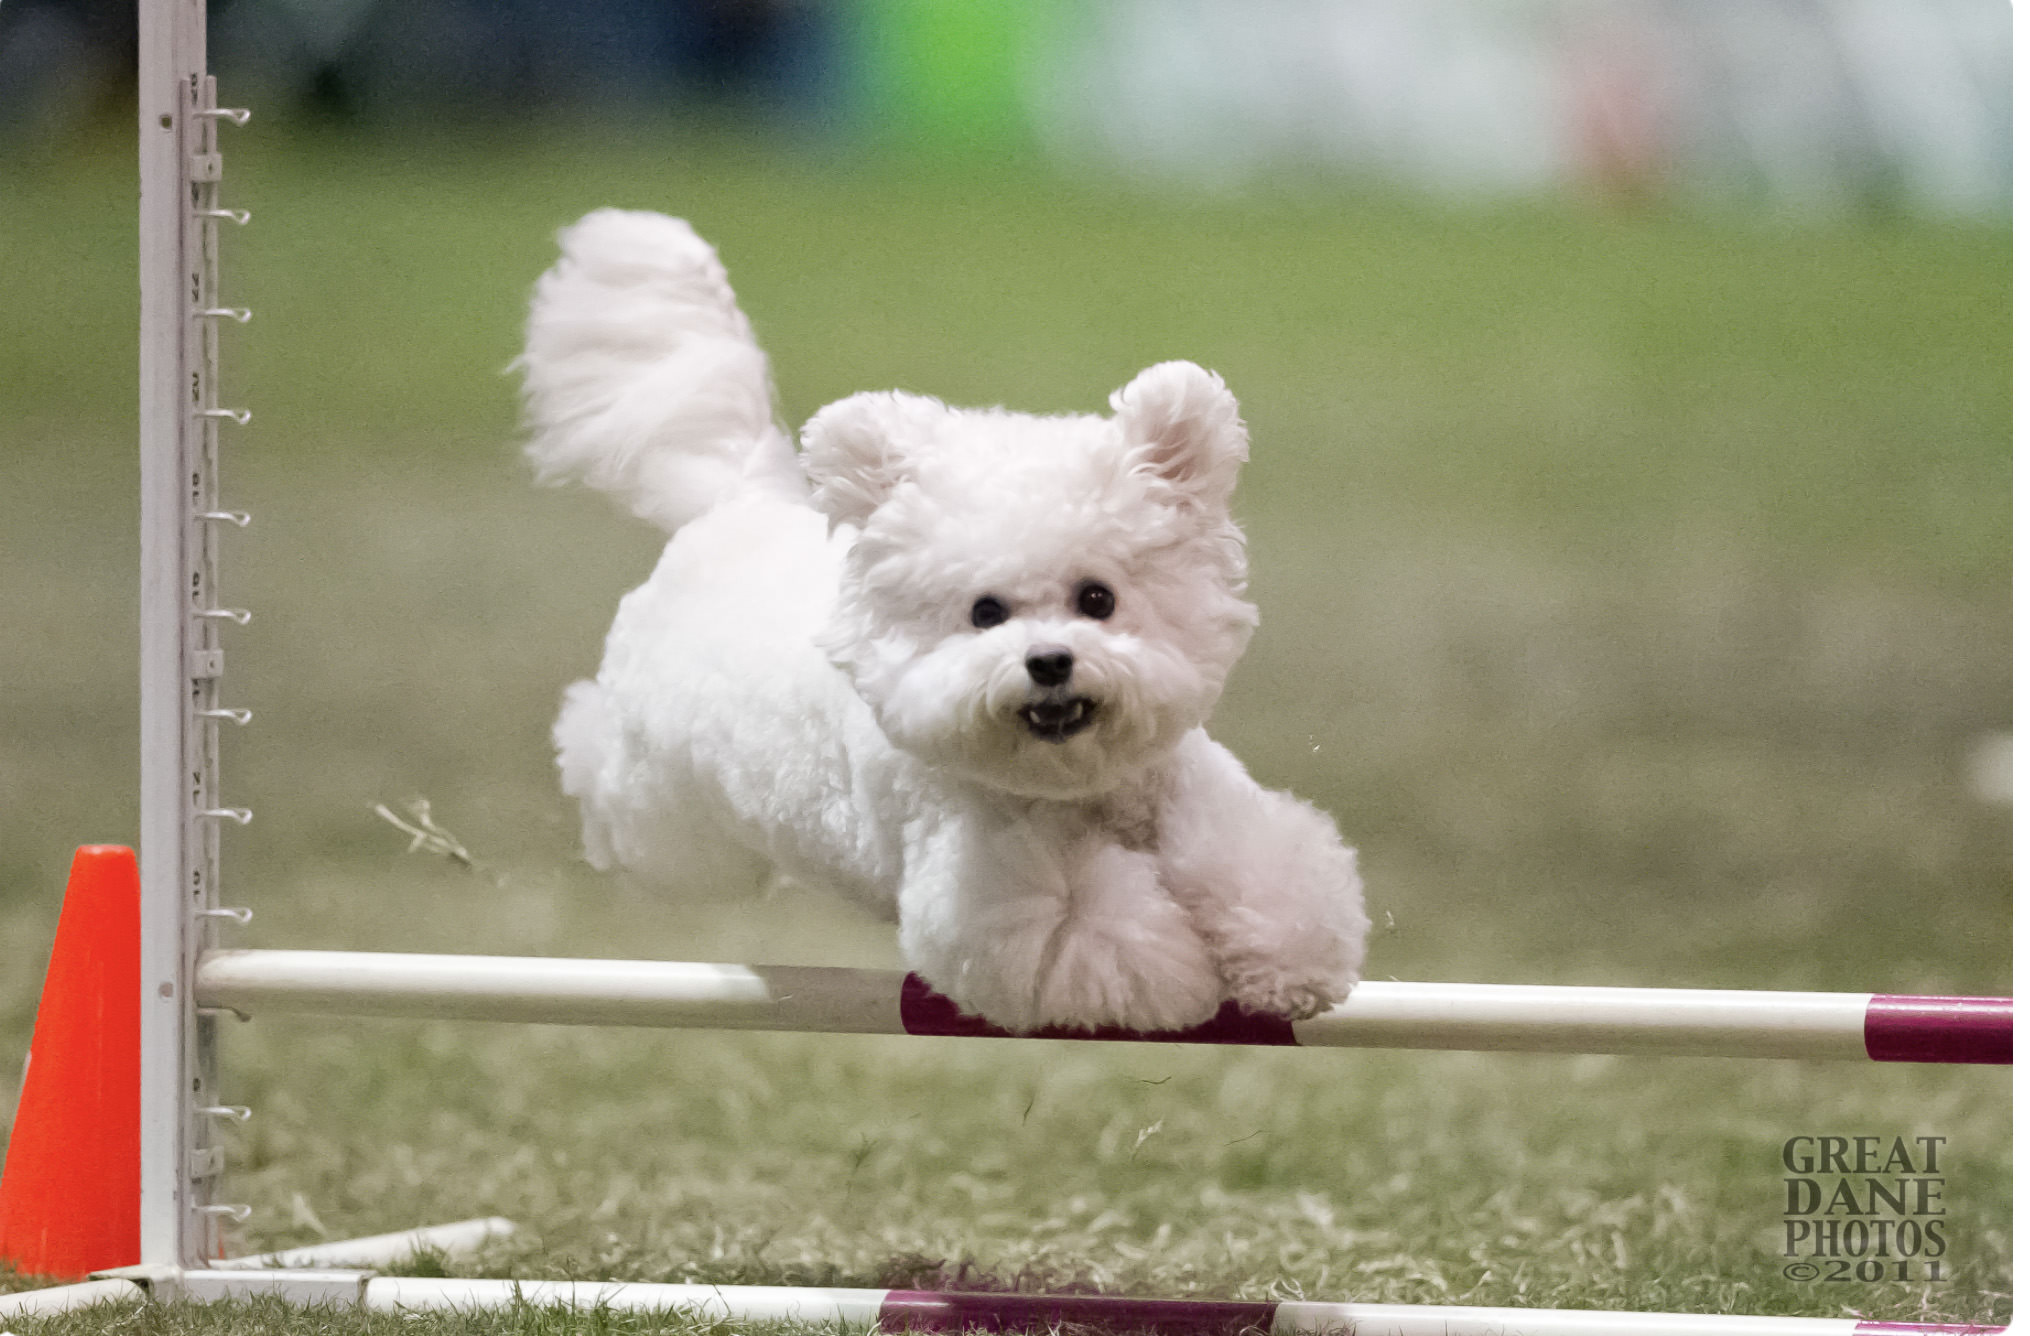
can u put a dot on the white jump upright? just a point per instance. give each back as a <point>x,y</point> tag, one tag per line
<point>186,981</point>
<point>182,658</point>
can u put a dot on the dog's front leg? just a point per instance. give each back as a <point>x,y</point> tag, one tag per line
<point>1266,879</point>
<point>1031,924</point>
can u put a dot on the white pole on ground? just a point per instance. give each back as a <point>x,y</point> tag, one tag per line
<point>881,1310</point>
<point>64,1298</point>
<point>457,1238</point>
<point>857,1308</point>
<point>904,1310</point>
<point>181,657</point>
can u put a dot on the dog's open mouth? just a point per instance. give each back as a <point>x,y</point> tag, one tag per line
<point>1058,720</point>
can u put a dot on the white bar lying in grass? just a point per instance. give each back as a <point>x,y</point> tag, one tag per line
<point>453,1240</point>
<point>901,1311</point>
<point>860,1309</point>
<point>66,1298</point>
<point>1380,1014</point>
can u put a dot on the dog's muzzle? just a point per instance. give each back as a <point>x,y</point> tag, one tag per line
<point>1057,719</point>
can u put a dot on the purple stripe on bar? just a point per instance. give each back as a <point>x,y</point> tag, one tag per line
<point>1938,1029</point>
<point>926,1012</point>
<point>1926,1328</point>
<point>930,1310</point>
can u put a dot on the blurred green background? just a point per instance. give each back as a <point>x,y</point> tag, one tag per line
<point>1634,583</point>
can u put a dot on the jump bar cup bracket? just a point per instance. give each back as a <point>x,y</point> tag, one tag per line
<point>185,981</point>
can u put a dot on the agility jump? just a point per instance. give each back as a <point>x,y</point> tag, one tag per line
<point>145,944</point>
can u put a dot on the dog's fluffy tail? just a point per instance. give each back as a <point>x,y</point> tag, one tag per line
<point>641,377</point>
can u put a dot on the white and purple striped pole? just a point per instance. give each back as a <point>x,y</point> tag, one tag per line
<point>901,1311</point>
<point>1381,1013</point>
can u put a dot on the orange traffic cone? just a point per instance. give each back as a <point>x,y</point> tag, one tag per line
<point>70,1195</point>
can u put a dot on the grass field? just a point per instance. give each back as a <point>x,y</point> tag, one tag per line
<point>1632,591</point>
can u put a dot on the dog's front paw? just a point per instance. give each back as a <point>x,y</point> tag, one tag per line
<point>1125,953</point>
<point>1137,976</point>
<point>1272,888</point>
<point>1296,995</point>
<point>1105,946</point>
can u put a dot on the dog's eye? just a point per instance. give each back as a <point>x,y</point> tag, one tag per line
<point>1095,600</point>
<point>989,611</point>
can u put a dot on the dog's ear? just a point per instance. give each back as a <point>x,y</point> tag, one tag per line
<point>1187,427</point>
<point>856,450</point>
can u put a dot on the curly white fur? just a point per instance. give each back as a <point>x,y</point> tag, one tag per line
<point>805,685</point>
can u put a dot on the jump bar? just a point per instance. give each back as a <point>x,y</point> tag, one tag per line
<point>1522,1018</point>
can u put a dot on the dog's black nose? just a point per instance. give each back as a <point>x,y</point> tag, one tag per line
<point>1049,665</point>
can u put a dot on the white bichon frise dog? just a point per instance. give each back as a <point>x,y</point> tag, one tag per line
<point>951,663</point>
